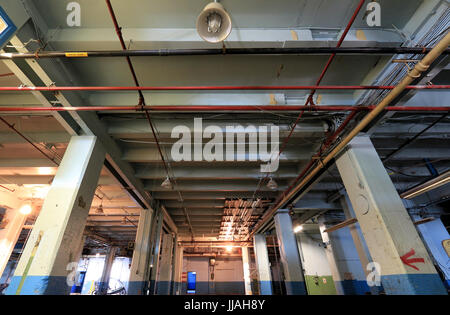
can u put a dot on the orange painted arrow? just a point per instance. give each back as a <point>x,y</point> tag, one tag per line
<point>409,262</point>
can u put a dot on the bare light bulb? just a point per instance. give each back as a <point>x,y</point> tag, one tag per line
<point>214,22</point>
<point>25,209</point>
<point>272,184</point>
<point>298,228</point>
<point>166,184</point>
<point>229,248</point>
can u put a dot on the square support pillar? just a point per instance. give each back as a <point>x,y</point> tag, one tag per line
<point>178,268</point>
<point>390,235</point>
<point>12,225</point>
<point>165,269</point>
<point>289,255</point>
<point>246,266</point>
<point>262,264</point>
<point>434,234</point>
<point>106,274</point>
<point>331,257</point>
<point>58,230</point>
<point>156,246</point>
<point>358,240</point>
<point>139,271</point>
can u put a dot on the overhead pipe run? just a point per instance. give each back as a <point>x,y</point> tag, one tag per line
<point>234,108</point>
<point>309,99</point>
<point>215,88</point>
<point>415,73</point>
<point>215,51</point>
<point>142,99</point>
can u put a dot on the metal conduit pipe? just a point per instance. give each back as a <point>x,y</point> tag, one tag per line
<point>216,88</point>
<point>309,99</point>
<point>232,108</point>
<point>415,73</point>
<point>214,51</point>
<point>142,100</point>
<point>28,140</point>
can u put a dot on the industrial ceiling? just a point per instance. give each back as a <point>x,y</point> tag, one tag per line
<point>206,196</point>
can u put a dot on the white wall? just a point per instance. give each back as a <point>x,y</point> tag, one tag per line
<point>314,259</point>
<point>228,275</point>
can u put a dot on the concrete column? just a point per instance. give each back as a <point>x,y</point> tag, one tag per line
<point>363,257</point>
<point>331,257</point>
<point>433,234</point>
<point>154,259</point>
<point>165,269</point>
<point>59,228</point>
<point>289,255</point>
<point>11,225</point>
<point>262,264</point>
<point>106,274</point>
<point>246,266</point>
<point>360,245</point>
<point>77,287</point>
<point>177,268</point>
<point>139,271</point>
<point>389,233</point>
<point>340,244</point>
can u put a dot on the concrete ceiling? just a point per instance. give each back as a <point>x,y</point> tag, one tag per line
<point>205,187</point>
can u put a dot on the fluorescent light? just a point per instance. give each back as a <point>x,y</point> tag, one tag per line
<point>427,186</point>
<point>45,170</point>
<point>298,228</point>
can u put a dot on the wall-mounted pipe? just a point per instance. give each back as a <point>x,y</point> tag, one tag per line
<point>214,51</point>
<point>415,73</point>
<point>215,88</point>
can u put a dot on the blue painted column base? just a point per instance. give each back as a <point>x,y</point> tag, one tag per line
<point>424,284</point>
<point>39,285</point>
<point>135,287</point>
<point>265,287</point>
<point>163,287</point>
<point>295,288</point>
<point>357,287</point>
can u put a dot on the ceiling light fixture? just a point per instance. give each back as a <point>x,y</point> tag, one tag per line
<point>25,209</point>
<point>214,23</point>
<point>272,184</point>
<point>167,184</point>
<point>298,228</point>
<point>100,209</point>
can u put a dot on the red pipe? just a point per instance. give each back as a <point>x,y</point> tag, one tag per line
<point>136,81</point>
<point>323,147</point>
<point>251,108</point>
<point>339,43</point>
<point>215,88</point>
<point>6,74</point>
<point>11,190</point>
